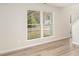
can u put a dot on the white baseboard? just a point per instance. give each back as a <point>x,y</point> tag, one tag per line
<point>75,43</point>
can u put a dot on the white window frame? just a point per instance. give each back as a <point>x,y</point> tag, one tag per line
<point>41,24</point>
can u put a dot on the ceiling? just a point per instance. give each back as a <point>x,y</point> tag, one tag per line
<point>61,4</point>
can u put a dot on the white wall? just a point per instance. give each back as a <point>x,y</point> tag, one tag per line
<point>62,24</point>
<point>74,12</point>
<point>13,26</point>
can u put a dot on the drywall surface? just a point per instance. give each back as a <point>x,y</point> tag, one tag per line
<point>13,26</point>
<point>73,11</point>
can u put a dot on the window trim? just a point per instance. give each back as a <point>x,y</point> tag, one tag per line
<point>41,25</point>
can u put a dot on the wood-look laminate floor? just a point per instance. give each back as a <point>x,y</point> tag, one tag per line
<point>58,48</point>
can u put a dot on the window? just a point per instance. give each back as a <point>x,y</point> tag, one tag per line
<point>34,25</point>
<point>47,24</point>
<point>34,30</point>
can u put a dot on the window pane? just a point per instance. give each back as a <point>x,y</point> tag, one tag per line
<point>33,17</point>
<point>34,32</point>
<point>34,29</point>
<point>47,30</point>
<point>47,24</point>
